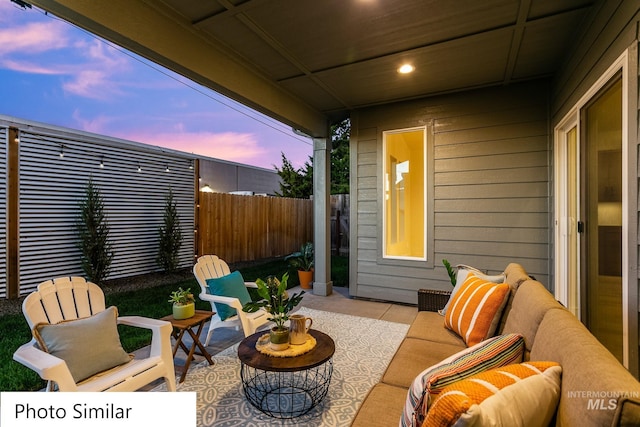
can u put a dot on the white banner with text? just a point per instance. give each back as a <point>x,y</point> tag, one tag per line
<point>130,409</point>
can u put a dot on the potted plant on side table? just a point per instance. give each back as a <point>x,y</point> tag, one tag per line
<point>184,305</point>
<point>276,301</point>
<point>303,261</point>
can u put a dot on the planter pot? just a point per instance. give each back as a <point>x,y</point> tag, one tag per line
<point>183,311</point>
<point>306,278</point>
<point>279,339</point>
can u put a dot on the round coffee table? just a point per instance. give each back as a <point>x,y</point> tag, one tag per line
<point>286,387</point>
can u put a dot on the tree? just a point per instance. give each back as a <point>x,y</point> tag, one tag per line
<point>295,183</point>
<point>340,134</point>
<point>170,236</point>
<point>93,232</point>
<point>298,183</point>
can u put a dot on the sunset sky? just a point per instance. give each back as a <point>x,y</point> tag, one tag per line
<point>55,73</point>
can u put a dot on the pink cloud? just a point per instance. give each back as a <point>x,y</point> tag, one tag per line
<point>29,67</point>
<point>232,146</point>
<point>92,84</point>
<point>98,124</point>
<point>33,38</point>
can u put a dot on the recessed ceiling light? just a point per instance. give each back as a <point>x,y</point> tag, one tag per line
<point>406,69</point>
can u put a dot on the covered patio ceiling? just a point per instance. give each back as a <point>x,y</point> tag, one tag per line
<point>310,62</point>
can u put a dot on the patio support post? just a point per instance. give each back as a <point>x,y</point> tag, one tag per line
<point>322,284</point>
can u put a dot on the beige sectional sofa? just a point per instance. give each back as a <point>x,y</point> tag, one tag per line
<point>591,375</point>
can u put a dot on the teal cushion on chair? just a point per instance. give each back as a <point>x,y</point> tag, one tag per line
<point>231,285</point>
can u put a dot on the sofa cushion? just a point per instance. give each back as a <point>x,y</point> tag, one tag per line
<point>491,353</point>
<point>380,407</point>
<point>412,357</point>
<point>515,275</point>
<point>427,325</point>
<point>591,374</point>
<point>476,308</point>
<point>523,394</point>
<point>530,303</point>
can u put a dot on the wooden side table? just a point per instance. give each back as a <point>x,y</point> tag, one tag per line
<point>188,325</point>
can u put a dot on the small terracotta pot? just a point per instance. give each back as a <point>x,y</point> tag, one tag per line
<point>306,279</point>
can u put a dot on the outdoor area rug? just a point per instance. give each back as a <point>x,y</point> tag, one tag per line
<point>364,348</point>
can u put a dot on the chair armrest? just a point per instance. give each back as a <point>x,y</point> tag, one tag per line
<point>47,366</point>
<point>251,285</point>
<point>160,333</point>
<point>230,301</point>
<point>142,322</point>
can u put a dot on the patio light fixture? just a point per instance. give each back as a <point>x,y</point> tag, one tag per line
<point>406,69</point>
<point>102,162</point>
<point>62,151</point>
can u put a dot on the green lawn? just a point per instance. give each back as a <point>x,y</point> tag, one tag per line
<point>150,302</point>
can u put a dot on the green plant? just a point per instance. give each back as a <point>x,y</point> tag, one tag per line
<point>303,259</point>
<point>93,233</point>
<point>182,297</point>
<point>450,271</point>
<point>275,299</point>
<point>170,236</point>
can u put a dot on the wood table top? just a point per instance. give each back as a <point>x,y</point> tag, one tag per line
<point>323,351</point>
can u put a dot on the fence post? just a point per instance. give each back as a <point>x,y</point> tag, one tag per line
<point>13,214</point>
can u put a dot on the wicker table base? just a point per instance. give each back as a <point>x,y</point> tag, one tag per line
<point>286,387</point>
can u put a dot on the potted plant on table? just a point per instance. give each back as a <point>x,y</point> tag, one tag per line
<point>184,305</point>
<point>276,301</point>
<point>303,261</point>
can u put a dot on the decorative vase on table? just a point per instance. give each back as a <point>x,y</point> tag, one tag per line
<point>279,338</point>
<point>184,305</point>
<point>275,300</point>
<point>184,311</point>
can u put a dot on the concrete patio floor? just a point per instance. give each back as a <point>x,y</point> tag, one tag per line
<point>338,302</point>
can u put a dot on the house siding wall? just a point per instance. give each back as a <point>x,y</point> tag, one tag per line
<point>489,151</point>
<point>225,177</point>
<point>611,29</point>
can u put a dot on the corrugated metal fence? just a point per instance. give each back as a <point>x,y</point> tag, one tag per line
<point>247,228</point>
<point>133,180</point>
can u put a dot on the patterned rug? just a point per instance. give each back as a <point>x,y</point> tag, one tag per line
<point>364,348</point>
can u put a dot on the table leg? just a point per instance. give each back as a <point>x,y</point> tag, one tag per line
<point>178,344</point>
<point>196,342</point>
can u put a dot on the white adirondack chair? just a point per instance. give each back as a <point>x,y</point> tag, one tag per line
<point>70,298</point>
<point>210,266</point>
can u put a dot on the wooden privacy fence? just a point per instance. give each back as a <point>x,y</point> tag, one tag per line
<point>340,224</point>
<point>248,228</point>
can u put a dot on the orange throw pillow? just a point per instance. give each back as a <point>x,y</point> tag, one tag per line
<point>475,310</point>
<point>524,394</point>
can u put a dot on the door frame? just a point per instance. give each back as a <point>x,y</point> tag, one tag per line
<point>628,69</point>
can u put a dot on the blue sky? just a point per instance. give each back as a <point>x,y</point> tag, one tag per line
<point>55,73</point>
